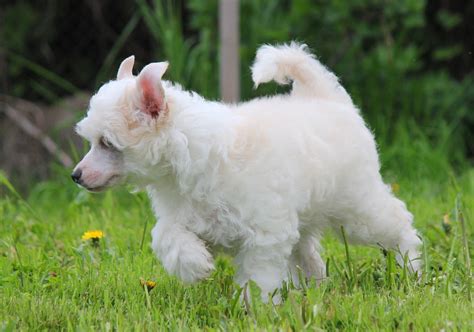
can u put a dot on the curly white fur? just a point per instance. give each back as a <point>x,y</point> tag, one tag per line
<point>262,179</point>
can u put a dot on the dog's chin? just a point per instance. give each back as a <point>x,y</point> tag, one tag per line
<point>97,189</point>
<point>111,182</point>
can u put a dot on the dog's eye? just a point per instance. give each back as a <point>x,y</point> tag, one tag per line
<point>105,143</point>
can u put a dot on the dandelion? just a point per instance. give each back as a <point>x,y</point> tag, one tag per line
<point>148,283</point>
<point>92,235</point>
<point>395,188</point>
<point>95,236</point>
<point>446,224</point>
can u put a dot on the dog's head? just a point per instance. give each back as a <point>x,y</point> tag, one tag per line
<point>123,118</point>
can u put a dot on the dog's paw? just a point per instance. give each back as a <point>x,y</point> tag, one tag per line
<point>195,263</point>
<point>190,263</point>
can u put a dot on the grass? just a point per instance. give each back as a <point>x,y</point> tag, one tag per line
<point>52,279</point>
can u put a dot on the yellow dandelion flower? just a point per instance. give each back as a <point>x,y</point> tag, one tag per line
<point>148,283</point>
<point>395,188</point>
<point>446,219</point>
<point>446,224</point>
<point>93,235</point>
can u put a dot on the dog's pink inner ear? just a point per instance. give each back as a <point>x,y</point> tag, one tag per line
<point>152,97</point>
<point>152,101</point>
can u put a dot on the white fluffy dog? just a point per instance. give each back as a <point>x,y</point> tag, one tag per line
<point>262,179</point>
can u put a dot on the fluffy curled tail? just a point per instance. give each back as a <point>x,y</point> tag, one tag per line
<point>293,62</point>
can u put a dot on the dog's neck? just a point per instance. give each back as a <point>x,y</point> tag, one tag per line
<point>201,134</point>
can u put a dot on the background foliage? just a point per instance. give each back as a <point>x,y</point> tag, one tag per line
<point>408,64</point>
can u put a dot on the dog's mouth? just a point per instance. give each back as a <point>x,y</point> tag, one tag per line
<point>114,179</point>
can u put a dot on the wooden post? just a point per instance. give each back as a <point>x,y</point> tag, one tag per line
<point>229,50</point>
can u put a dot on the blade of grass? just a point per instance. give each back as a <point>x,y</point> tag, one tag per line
<point>104,71</point>
<point>348,258</point>
<point>143,234</point>
<point>467,258</point>
<point>44,73</point>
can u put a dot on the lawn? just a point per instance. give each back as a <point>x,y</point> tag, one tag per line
<point>53,279</point>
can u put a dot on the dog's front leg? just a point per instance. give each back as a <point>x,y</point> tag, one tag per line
<point>181,252</point>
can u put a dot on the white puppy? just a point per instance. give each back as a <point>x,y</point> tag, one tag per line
<point>263,179</point>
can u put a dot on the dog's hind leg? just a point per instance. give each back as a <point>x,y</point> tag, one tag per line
<point>400,236</point>
<point>379,218</point>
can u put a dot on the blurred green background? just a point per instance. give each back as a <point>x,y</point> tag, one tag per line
<point>408,65</point>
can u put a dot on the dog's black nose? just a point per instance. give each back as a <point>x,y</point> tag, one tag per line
<point>76,175</point>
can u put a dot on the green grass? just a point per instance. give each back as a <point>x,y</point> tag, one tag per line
<point>51,279</point>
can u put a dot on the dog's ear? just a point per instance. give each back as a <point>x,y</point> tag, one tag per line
<point>151,92</point>
<point>126,67</point>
